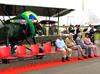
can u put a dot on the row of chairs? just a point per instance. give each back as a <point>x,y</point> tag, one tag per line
<point>5,52</point>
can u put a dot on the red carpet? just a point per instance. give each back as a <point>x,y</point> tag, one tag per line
<point>39,66</point>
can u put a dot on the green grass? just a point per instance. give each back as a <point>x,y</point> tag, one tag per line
<point>97,36</point>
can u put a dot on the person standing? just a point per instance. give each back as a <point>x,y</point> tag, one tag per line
<point>51,31</point>
<point>63,29</point>
<point>92,37</point>
<point>61,46</point>
<point>78,30</point>
<point>70,28</point>
<point>55,30</point>
<point>44,32</point>
<point>89,28</point>
<point>75,33</point>
<point>65,32</point>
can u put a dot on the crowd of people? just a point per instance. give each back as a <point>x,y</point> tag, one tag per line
<point>53,30</point>
<point>73,41</point>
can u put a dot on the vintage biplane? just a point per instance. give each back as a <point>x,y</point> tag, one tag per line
<point>25,24</point>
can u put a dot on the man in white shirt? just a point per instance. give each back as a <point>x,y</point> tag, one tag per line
<point>89,28</point>
<point>63,29</point>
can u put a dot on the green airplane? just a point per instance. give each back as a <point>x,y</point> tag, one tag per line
<point>20,28</point>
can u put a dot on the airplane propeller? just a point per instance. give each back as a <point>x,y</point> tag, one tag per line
<point>19,21</point>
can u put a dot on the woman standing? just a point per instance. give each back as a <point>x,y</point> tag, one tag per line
<point>88,42</point>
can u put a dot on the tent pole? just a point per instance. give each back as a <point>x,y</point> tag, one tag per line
<point>49,15</point>
<point>49,20</point>
<point>58,21</point>
<point>15,11</point>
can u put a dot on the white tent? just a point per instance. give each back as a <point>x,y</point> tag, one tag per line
<point>85,18</point>
<point>92,18</point>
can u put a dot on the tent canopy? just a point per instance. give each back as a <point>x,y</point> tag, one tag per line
<point>16,10</point>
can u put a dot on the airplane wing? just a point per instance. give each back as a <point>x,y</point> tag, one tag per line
<point>16,10</point>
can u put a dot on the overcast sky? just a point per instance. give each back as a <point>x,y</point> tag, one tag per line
<point>92,5</point>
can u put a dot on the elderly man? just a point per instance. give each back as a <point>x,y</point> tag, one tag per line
<point>61,46</point>
<point>81,43</point>
<point>71,44</point>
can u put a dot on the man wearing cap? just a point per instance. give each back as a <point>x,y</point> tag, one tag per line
<point>61,46</point>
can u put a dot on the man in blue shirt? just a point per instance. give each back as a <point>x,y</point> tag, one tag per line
<point>61,46</point>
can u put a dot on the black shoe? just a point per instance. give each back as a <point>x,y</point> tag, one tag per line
<point>85,57</point>
<point>90,56</point>
<point>63,60</point>
<point>67,59</point>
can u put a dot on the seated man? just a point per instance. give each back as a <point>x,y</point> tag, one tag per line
<point>81,43</point>
<point>71,44</point>
<point>61,46</point>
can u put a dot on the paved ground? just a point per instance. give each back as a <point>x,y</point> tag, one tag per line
<point>83,67</point>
